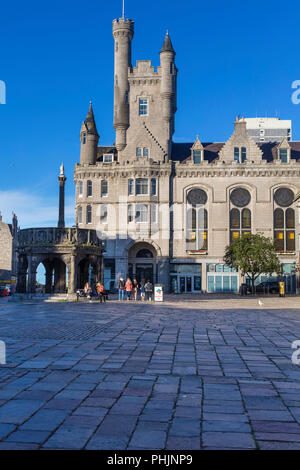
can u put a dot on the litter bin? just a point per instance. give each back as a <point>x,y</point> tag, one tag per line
<point>281,289</point>
<point>158,293</point>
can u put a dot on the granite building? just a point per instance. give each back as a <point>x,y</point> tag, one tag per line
<point>169,209</point>
<point>8,249</point>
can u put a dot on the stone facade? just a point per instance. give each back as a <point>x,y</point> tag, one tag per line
<point>8,246</point>
<point>169,209</point>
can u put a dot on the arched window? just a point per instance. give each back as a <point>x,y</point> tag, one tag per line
<point>79,215</point>
<point>240,216</point>
<point>80,188</point>
<point>196,221</point>
<point>278,218</point>
<point>89,189</point>
<point>246,219</point>
<point>89,214</point>
<point>284,220</point>
<point>104,188</point>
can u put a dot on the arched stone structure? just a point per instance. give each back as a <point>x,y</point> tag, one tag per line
<point>59,250</point>
<point>142,262</point>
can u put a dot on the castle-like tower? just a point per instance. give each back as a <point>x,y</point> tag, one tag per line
<point>144,98</point>
<point>217,191</point>
<point>89,139</point>
<point>123,31</point>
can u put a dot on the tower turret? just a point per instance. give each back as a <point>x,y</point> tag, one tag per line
<point>168,81</point>
<point>89,139</point>
<point>123,31</point>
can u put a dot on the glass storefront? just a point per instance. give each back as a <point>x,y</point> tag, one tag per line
<point>222,278</point>
<point>186,278</point>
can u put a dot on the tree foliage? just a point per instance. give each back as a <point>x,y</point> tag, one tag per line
<point>253,255</point>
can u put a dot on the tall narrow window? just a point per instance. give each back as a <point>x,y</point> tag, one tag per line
<point>284,220</point>
<point>283,155</point>
<point>79,215</point>
<point>143,106</point>
<point>240,223</point>
<point>146,152</point>
<point>104,188</point>
<point>89,214</point>
<point>84,138</point>
<point>196,221</point>
<point>130,187</point>
<point>243,154</point>
<point>141,186</point>
<point>89,190</point>
<point>197,156</point>
<point>237,154</point>
<point>153,187</point>
<point>130,213</point>
<point>139,151</point>
<point>103,214</point>
<point>80,188</point>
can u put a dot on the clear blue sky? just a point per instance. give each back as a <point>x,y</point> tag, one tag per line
<point>233,58</point>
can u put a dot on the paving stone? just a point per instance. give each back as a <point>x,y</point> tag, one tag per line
<point>228,440</point>
<point>101,442</point>
<point>148,439</point>
<point>69,437</point>
<point>34,437</point>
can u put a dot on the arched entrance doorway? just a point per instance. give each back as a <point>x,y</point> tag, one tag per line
<point>142,262</point>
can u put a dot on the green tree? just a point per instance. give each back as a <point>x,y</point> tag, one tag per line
<point>253,255</point>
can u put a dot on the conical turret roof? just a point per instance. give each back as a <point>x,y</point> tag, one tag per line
<point>167,45</point>
<point>90,121</point>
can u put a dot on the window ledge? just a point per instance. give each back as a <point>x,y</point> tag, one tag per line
<point>197,252</point>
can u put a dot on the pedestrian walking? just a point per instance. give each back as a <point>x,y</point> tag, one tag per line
<point>128,287</point>
<point>149,290</point>
<point>143,290</point>
<point>135,289</point>
<point>121,288</point>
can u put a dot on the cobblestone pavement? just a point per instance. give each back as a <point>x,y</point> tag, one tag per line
<point>211,374</point>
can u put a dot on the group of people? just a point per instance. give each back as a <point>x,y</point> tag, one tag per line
<point>131,290</point>
<point>134,290</point>
<point>99,291</point>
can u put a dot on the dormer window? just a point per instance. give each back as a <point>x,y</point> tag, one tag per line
<point>283,155</point>
<point>108,158</point>
<point>237,154</point>
<point>243,154</point>
<point>240,155</point>
<point>197,156</point>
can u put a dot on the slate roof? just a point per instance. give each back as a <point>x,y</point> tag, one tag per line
<point>182,151</point>
<point>167,45</point>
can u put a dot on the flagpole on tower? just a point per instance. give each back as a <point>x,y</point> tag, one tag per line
<point>123,9</point>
